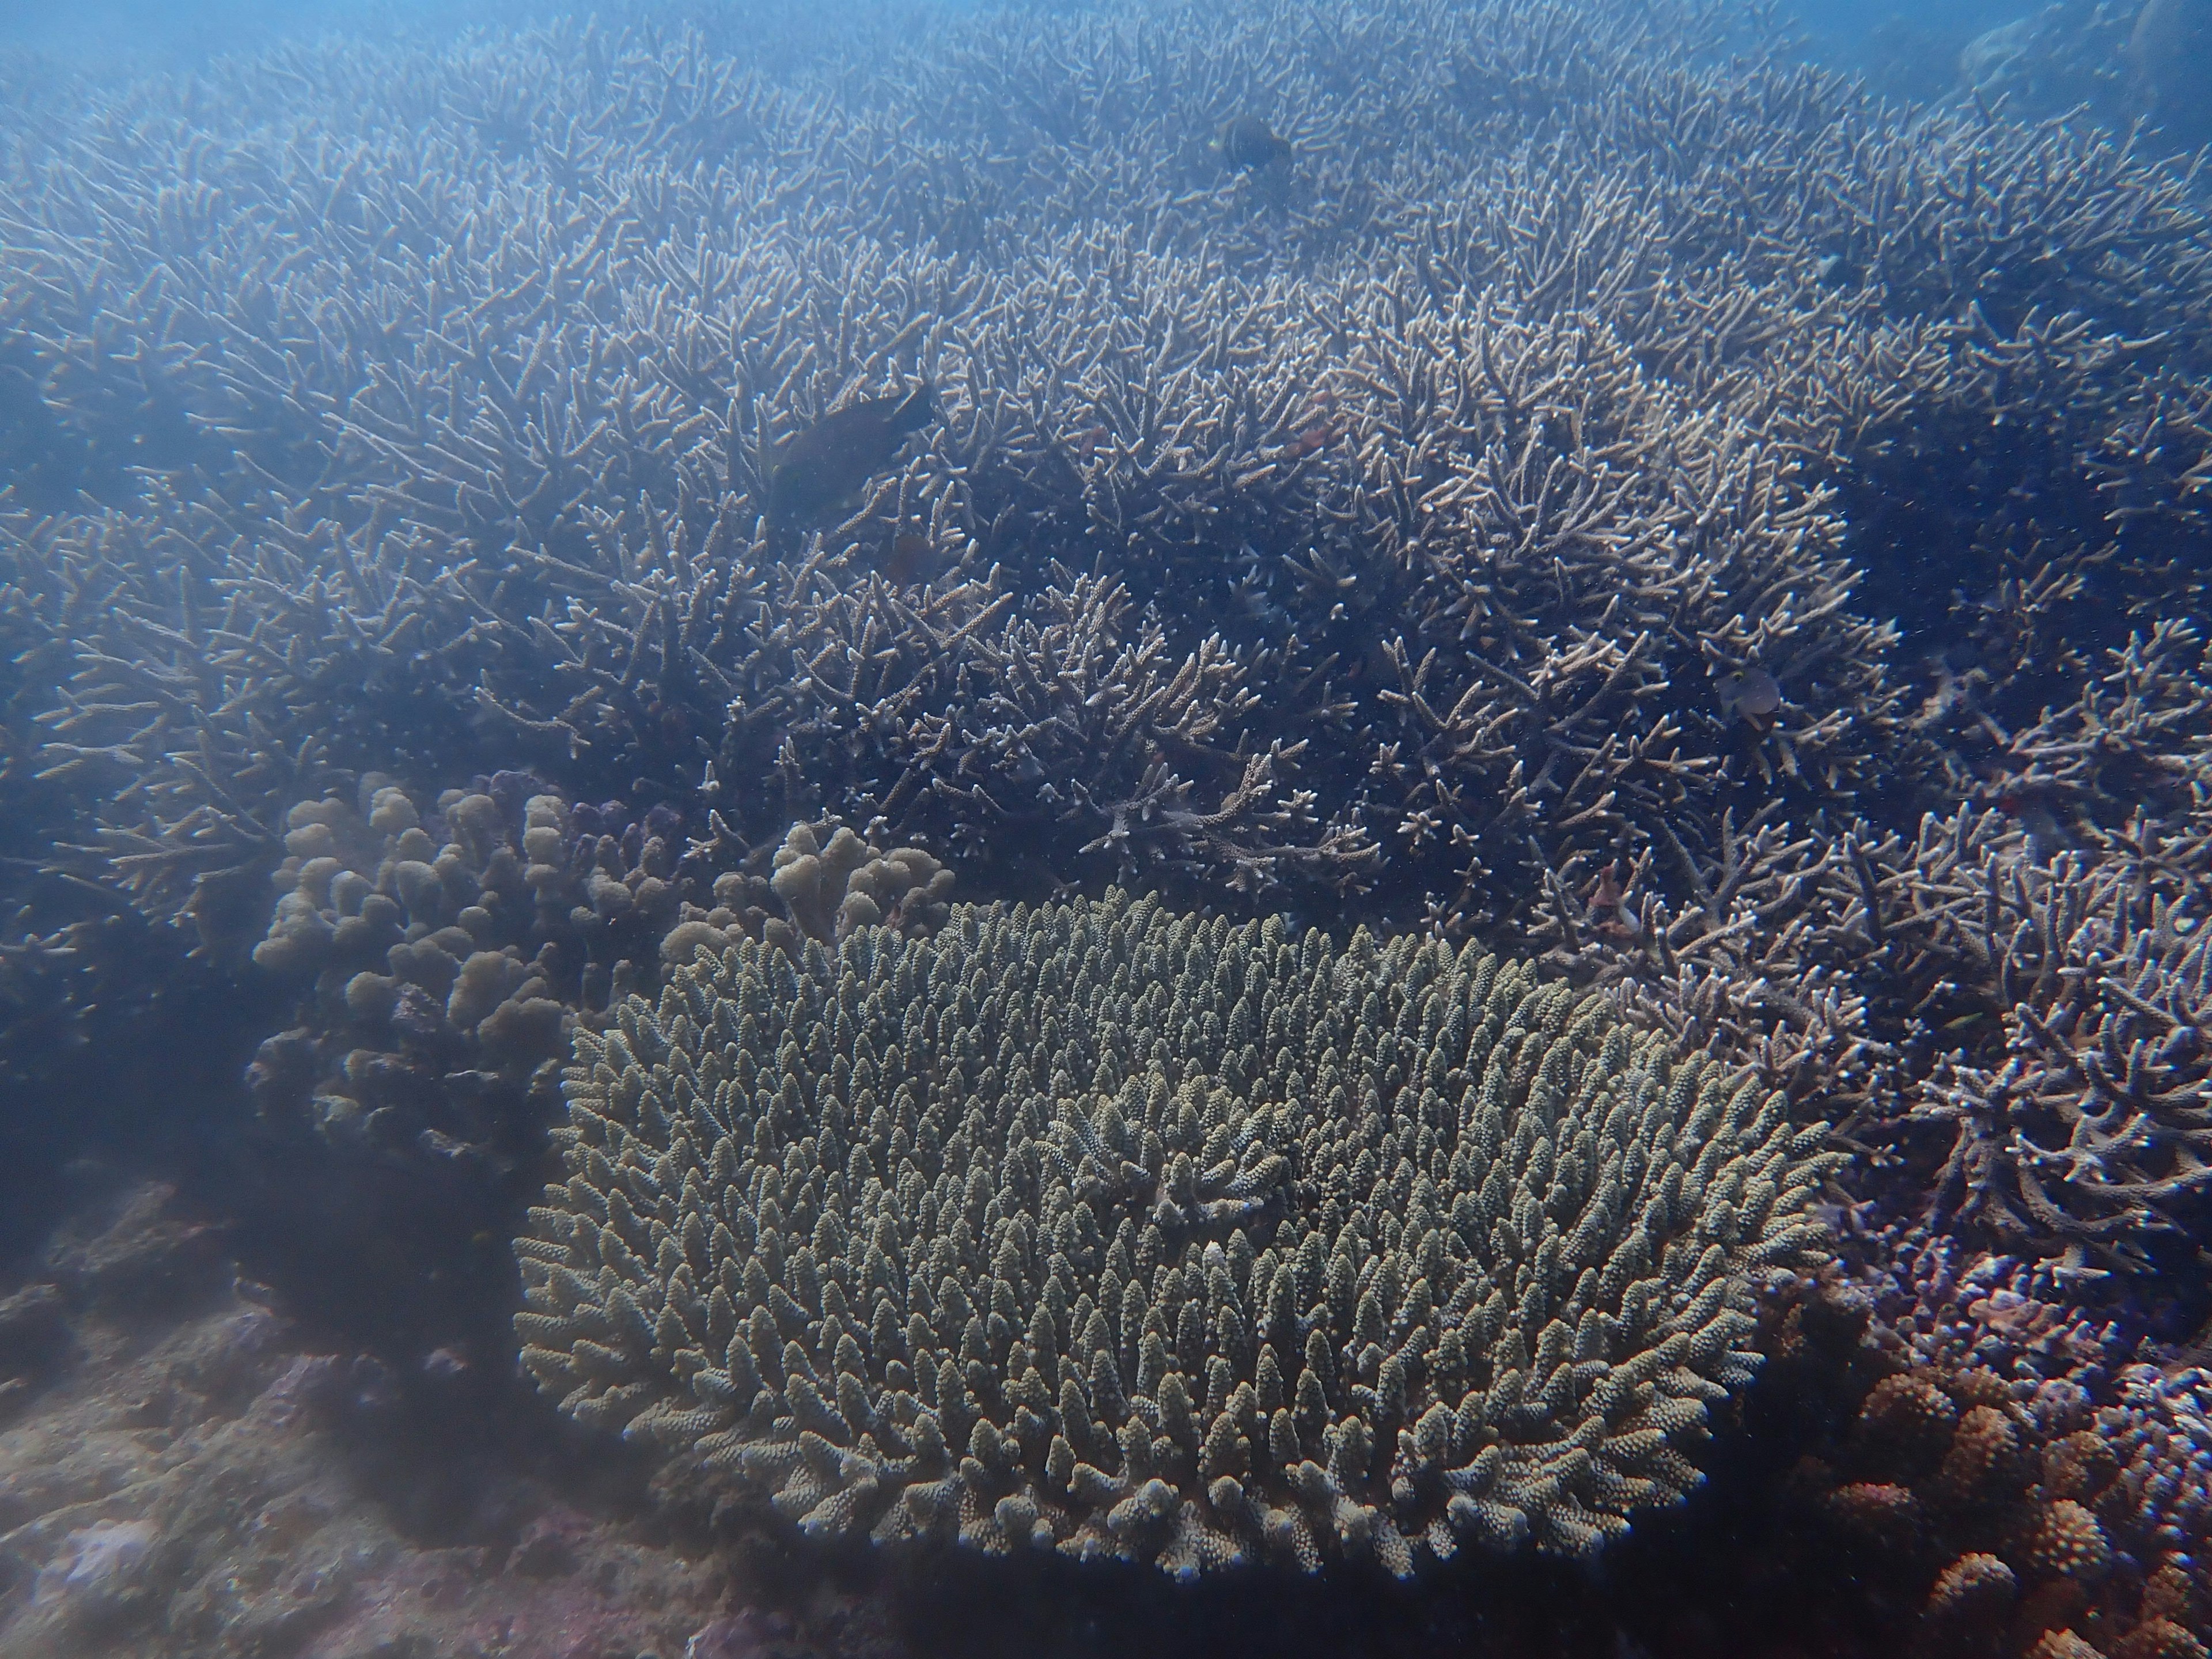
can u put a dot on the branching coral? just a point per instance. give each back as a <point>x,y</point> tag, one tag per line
<point>2092,1129</point>
<point>1445,542</point>
<point>1511,515</point>
<point>1103,1229</point>
<point>454,503</point>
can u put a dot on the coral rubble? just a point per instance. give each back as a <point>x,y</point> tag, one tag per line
<point>188,1478</point>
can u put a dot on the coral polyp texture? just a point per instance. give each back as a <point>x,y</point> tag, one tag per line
<point>1100,1228</point>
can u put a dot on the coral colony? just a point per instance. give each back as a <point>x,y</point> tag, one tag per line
<point>1558,664</point>
<point>1507,1262</point>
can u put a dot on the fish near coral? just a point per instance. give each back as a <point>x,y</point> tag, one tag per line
<point>913,558</point>
<point>1750,695</point>
<point>1609,914</point>
<point>817,470</point>
<point>1247,142</point>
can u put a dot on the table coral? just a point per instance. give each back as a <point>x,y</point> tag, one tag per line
<point>1100,1229</point>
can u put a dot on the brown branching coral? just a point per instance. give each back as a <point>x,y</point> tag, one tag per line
<point>1062,721</point>
<point>471,510</point>
<point>1754,949</point>
<point>1106,1231</point>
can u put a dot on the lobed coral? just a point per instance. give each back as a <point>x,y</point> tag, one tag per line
<point>445,970</point>
<point>1099,1228</point>
<point>2014,1514</point>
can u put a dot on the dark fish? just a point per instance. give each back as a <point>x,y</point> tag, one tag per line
<point>1248,142</point>
<point>1609,914</point>
<point>1753,695</point>
<point>913,558</point>
<point>825,466</point>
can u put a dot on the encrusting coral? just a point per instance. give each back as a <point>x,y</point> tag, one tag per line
<point>1099,1228</point>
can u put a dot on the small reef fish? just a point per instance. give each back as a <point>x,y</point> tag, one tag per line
<point>1608,914</point>
<point>1321,429</point>
<point>1752,695</point>
<point>1248,143</point>
<point>817,470</point>
<point>1087,441</point>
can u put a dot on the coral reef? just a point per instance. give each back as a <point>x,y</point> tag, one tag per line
<point>427,963</point>
<point>1378,533</point>
<point>2159,1433</point>
<point>1097,1229</point>
<point>2016,1515</point>
<point>1938,1304</point>
<point>1397,446</point>
<point>1962,1478</point>
<point>1562,481</point>
<point>2093,1129</point>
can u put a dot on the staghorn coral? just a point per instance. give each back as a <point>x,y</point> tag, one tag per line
<point>2086,1129</point>
<point>1389,562</point>
<point>563,540</point>
<point>1756,949</point>
<point>1097,1229</point>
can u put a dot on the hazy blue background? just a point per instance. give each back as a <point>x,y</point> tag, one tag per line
<point>1910,45</point>
<point>98,34</point>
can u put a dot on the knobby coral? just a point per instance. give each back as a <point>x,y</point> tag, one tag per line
<point>1131,1234</point>
<point>438,974</point>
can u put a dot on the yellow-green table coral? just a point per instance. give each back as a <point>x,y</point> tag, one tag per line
<point>1100,1228</point>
